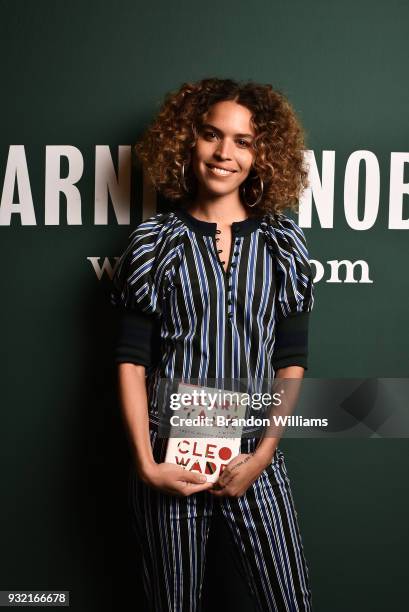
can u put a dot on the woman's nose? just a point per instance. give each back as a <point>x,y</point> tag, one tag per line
<point>224,149</point>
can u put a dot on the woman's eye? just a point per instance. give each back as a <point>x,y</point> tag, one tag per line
<point>210,134</point>
<point>242,143</point>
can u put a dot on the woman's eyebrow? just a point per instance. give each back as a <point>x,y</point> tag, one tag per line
<point>213,127</point>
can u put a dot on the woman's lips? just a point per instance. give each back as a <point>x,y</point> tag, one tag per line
<point>220,171</point>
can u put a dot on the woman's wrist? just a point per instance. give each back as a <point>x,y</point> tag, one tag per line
<point>263,458</point>
<point>147,470</point>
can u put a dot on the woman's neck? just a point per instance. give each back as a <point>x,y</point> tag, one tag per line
<point>217,211</point>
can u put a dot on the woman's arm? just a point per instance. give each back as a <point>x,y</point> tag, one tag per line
<point>267,445</point>
<point>167,477</point>
<point>134,403</point>
<point>244,469</point>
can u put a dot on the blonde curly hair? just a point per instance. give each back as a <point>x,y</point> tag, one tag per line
<point>279,147</point>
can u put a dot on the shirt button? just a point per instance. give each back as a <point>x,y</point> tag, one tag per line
<point>229,302</point>
<point>237,253</point>
<point>233,265</point>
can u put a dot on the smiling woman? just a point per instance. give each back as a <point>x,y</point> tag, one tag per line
<point>267,131</point>
<point>214,293</point>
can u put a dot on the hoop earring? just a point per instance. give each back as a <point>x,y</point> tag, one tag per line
<point>182,180</point>
<point>259,197</point>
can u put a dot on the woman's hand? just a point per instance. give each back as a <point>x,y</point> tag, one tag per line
<point>174,479</point>
<point>238,475</point>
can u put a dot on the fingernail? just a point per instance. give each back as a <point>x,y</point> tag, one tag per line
<point>203,479</point>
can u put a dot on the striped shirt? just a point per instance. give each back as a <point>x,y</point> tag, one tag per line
<point>183,316</point>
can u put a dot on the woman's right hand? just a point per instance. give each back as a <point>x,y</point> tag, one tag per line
<point>174,479</point>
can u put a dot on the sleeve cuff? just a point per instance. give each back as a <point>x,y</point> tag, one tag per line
<point>138,338</point>
<point>291,345</point>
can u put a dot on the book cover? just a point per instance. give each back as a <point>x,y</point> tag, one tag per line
<point>207,436</point>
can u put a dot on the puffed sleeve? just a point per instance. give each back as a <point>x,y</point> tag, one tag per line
<point>295,293</point>
<point>135,290</point>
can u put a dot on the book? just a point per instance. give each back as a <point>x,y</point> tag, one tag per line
<point>207,435</point>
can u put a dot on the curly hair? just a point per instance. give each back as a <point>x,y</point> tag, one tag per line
<point>278,144</point>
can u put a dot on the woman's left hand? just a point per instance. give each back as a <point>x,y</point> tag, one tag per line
<point>237,476</point>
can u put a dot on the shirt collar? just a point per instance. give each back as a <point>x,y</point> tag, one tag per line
<point>204,228</point>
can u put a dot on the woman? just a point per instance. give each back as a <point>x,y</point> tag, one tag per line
<point>218,289</point>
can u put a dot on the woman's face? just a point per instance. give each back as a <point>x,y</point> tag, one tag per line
<point>224,141</point>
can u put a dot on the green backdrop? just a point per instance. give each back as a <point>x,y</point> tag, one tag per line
<point>92,74</point>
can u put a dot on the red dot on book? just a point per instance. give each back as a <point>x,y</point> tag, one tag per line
<point>225,453</point>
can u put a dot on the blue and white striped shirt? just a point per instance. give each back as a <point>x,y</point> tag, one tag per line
<point>184,316</point>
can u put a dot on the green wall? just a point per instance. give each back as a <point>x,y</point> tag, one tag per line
<point>83,74</point>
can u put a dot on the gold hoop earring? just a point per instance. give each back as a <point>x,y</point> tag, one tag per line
<point>259,197</point>
<point>182,180</point>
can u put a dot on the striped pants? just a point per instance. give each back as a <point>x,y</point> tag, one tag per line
<point>172,533</point>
